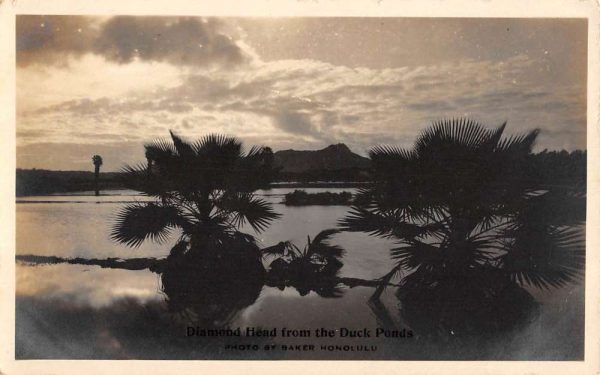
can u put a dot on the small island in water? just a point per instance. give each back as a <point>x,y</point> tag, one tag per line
<point>326,198</point>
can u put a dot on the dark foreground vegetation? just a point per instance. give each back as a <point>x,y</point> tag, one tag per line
<point>302,198</point>
<point>476,219</point>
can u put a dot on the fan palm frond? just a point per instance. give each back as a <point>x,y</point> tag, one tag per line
<point>183,148</point>
<point>279,249</point>
<point>417,254</point>
<point>219,149</point>
<point>519,143</point>
<point>386,153</point>
<point>462,136</point>
<point>254,170</point>
<point>324,236</point>
<point>386,224</point>
<point>245,207</point>
<point>159,150</point>
<point>136,177</point>
<point>546,258</point>
<point>320,245</point>
<point>557,207</point>
<point>137,222</point>
<point>385,280</point>
<point>361,219</point>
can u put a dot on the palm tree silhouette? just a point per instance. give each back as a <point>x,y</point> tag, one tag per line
<point>204,190</point>
<point>97,160</point>
<point>469,216</point>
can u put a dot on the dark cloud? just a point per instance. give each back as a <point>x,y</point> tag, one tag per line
<point>293,122</point>
<point>181,41</point>
<point>52,39</point>
<point>188,41</point>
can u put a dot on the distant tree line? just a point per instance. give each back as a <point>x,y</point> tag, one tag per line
<point>42,182</point>
<point>549,167</point>
<point>560,167</point>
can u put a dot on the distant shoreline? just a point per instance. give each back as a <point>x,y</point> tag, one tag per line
<point>549,167</point>
<point>41,182</point>
<point>275,185</point>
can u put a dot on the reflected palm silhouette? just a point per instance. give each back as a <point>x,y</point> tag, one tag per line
<point>97,161</point>
<point>314,268</point>
<point>211,295</point>
<point>214,296</point>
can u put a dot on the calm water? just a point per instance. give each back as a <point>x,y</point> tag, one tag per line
<point>74,311</point>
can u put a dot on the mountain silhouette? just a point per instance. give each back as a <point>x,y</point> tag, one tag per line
<point>332,157</point>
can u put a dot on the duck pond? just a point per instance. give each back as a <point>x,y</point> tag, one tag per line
<point>85,311</point>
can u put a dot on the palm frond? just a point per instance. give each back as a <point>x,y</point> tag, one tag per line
<point>556,207</point>
<point>385,224</point>
<point>184,149</point>
<point>546,258</point>
<point>253,171</point>
<point>137,222</point>
<point>245,207</point>
<point>136,177</point>
<point>280,249</point>
<point>159,150</point>
<point>324,236</point>
<point>519,143</point>
<point>217,147</point>
<point>320,245</point>
<point>417,254</point>
<point>361,219</point>
<point>256,152</point>
<point>385,280</point>
<point>494,137</point>
<point>363,197</point>
<point>386,153</point>
<point>461,132</point>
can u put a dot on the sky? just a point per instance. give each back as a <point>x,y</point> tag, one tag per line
<point>107,85</point>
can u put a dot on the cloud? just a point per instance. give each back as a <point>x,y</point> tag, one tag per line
<point>293,122</point>
<point>53,39</point>
<point>186,41</point>
<point>123,39</point>
<point>309,104</point>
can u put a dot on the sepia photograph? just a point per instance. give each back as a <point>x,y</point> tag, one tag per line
<point>205,187</point>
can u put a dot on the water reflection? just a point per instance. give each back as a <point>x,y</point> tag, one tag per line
<point>72,311</point>
<point>210,291</point>
<point>461,306</point>
<point>314,268</point>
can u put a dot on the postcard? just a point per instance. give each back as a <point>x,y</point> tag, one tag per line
<point>286,187</point>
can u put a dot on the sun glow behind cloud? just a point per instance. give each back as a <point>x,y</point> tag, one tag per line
<point>110,100</point>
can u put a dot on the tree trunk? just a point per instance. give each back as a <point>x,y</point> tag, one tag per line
<point>96,177</point>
